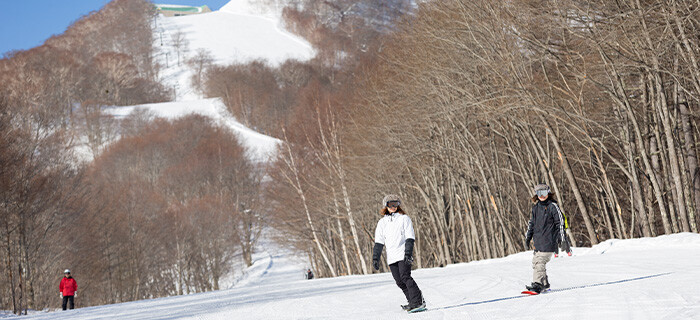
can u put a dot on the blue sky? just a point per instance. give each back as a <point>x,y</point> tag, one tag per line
<point>25,24</point>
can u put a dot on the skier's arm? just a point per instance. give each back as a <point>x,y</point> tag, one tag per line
<point>376,253</point>
<point>378,245</point>
<point>408,253</point>
<point>410,235</point>
<point>530,229</point>
<point>562,225</point>
<point>559,221</point>
<point>409,247</point>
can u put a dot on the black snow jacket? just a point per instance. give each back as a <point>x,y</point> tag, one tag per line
<point>546,226</point>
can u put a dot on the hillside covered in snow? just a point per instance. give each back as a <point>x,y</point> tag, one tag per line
<point>237,33</point>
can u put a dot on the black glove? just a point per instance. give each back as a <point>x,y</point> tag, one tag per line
<point>408,260</point>
<point>408,252</point>
<point>566,247</point>
<point>376,253</point>
<point>527,243</point>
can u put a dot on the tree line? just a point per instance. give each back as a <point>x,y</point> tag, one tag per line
<point>467,105</point>
<point>137,207</point>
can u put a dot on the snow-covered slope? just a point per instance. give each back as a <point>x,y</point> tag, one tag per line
<point>651,278</point>
<point>271,265</point>
<point>271,9</point>
<point>239,32</point>
<point>259,146</point>
<point>239,37</point>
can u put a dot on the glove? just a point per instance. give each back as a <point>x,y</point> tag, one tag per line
<point>376,253</point>
<point>61,294</point>
<point>75,295</point>
<point>566,247</point>
<point>527,243</point>
<point>408,252</point>
<point>408,260</point>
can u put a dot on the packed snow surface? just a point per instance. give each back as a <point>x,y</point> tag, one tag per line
<point>649,278</point>
<point>239,37</point>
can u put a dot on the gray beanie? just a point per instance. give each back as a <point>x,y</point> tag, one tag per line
<point>391,197</point>
<point>541,186</point>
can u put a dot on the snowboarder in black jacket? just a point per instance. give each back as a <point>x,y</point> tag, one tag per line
<point>546,227</point>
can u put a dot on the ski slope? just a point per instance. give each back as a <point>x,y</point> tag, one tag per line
<point>260,147</point>
<point>237,33</point>
<point>649,278</point>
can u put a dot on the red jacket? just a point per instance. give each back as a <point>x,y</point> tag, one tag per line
<point>68,286</point>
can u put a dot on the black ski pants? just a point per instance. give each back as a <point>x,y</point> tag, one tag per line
<point>66,300</point>
<point>402,275</point>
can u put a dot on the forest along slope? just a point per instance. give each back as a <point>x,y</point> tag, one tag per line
<point>260,147</point>
<point>648,278</point>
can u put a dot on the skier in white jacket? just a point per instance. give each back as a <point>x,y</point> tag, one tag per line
<point>395,231</point>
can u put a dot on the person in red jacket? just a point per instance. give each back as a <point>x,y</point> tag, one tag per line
<point>68,288</point>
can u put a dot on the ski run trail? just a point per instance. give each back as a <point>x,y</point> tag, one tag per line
<point>648,278</point>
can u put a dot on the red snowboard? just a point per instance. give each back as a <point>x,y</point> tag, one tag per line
<point>533,293</point>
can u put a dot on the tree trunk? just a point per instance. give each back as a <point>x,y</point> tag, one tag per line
<point>296,184</point>
<point>665,120</point>
<point>572,181</point>
<point>341,234</point>
<point>692,162</point>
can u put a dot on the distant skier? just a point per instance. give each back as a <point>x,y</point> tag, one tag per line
<point>395,231</point>
<point>546,227</point>
<point>68,288</point>
<point>309,274</point>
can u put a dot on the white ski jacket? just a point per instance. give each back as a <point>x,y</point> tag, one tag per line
<point>392,231</point>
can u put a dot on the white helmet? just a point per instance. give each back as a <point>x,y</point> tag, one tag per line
<point>66,271</point>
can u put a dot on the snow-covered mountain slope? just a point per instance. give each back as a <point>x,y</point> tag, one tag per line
<point>239,32</point>
<point>650,278</point>
<point>260,147</point>
<point>239,37</point>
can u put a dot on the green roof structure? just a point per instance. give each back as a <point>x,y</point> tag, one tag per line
<point>181,9</point>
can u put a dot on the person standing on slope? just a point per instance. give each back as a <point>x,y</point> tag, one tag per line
<point>69,289</point>
<point>395,231</point>
<point>546,227</point>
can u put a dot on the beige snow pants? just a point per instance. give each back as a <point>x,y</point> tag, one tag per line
<point>539,262</point>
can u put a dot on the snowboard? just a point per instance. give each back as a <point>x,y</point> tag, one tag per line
<point>421,309</point>
<point>533,293</point>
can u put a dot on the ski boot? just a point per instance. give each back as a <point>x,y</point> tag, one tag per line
<point>535,287</point>
<point>417,308</point>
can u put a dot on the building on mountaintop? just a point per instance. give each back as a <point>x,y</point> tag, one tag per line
<point>173,10</point>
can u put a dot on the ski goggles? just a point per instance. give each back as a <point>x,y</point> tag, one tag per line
<point>393,204</point>
<point>542,193</point>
